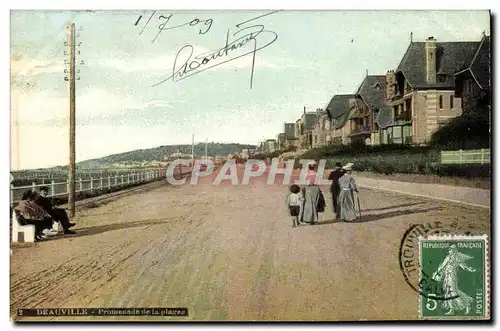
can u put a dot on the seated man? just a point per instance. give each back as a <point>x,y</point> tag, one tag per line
<point>28,212</point>
<point>59,215</point>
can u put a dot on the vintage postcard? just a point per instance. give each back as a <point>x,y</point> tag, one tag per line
<point>253,165</point>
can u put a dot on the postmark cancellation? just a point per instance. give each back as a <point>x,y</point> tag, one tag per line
<point>454,277</point>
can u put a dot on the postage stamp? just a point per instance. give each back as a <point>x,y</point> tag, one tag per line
<point>454,276</point>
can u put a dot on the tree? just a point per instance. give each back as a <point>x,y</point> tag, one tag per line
<point>468,131</point>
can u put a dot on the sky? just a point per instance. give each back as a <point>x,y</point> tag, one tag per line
<point>121,107</point>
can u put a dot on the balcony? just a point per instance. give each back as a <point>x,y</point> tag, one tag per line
<point>356,114</point>
<point>403,117</point>
<point>361,130</point>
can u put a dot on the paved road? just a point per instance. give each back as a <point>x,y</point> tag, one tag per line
<point>463,195</point>
<point>229,253</point>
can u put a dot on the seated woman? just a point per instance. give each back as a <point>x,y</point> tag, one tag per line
<point>28,212</point>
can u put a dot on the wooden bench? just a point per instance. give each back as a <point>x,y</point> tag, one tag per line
<point>28,230</point>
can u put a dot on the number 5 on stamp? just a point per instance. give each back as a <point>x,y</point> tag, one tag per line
<point>455,272</point>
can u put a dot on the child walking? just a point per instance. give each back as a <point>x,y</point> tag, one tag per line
<point>294,201</point>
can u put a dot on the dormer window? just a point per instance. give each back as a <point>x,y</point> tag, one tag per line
<point>376,86</point>
<point>441,76</point>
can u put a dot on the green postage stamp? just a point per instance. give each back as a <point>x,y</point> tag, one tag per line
<point>454,277</point>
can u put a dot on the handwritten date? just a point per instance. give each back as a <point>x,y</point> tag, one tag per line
<point>164,20</point>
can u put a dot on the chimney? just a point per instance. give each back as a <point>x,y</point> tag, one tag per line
<point>390,84</point>
<point>430,59</point>
<point>304,110</point>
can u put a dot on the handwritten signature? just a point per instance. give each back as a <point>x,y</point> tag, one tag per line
<point>186,66</point>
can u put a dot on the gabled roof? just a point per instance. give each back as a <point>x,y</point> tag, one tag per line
<point>338,105</point>
<point>290,130</point>
<point>384,117</point>
<point>480,64</point>
<point>375,98</point>
<point>342,120</point>
<point>310,120</point>
<point>450,56</point>
<point>372,90</point>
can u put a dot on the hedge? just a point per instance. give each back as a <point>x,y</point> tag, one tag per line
<point>263,156</point>
<point>389,159</point>
<point>424,166</point>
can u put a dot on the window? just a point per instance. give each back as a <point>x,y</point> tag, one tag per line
<point>470,86</point>
<point>397,132</point>
<point>406,131</point>
<point>315,139</point>
<point>408,108</point>
<point>440,102</point>
<point>451,102</point>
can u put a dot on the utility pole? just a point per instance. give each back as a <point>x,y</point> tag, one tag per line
<point>192,153</point>
<point>72,122</point>
<point>206,149</point>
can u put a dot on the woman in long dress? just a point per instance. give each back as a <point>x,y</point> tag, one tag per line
<point>447,272</point>
<point>311,195</point>
<point>346,196</point>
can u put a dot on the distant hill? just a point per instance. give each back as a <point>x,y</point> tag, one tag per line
<point>157,154</point>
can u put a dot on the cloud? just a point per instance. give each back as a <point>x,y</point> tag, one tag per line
<point>146,64</point>
<point>21,66</point>
<point>45,106</point>
<point>159,64</point>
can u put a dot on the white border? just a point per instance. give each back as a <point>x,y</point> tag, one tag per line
<point>196,4</point>
<point>486,282</point>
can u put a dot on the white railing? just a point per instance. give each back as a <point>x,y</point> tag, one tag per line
<point>481,156</point>
<point>93,183</point>
<point>84,173</point>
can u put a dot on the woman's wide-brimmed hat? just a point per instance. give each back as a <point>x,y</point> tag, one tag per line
<point>348,166</point>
